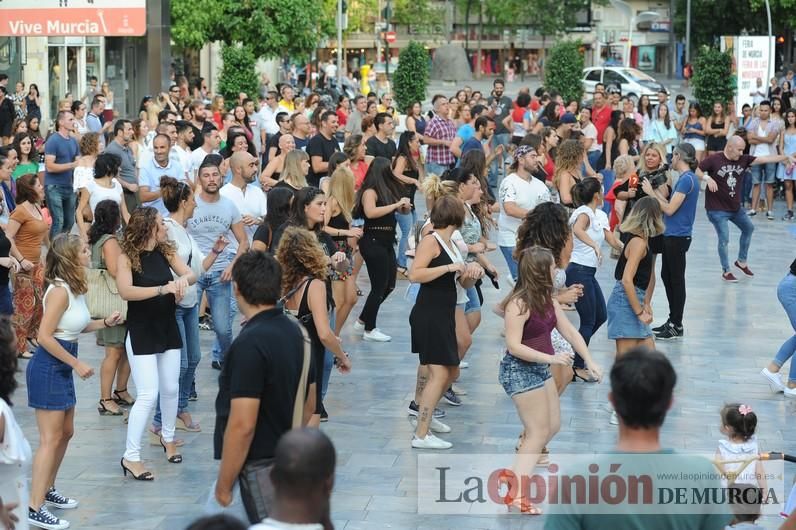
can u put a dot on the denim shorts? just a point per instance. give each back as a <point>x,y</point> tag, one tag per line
<point>622,320</point>
<point>518,376</point>
<point>764,173</point>
<point>50,383</point>
<point>473,302</point>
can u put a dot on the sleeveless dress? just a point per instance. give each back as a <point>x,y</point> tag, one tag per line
<point>715,143</point>
<point>152,323</point>
<point>304,315</point>
<point>112,337</point>
<point>433,317</point>
<point>518,376</point>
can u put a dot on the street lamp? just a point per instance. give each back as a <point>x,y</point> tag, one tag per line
<point>627,10</point>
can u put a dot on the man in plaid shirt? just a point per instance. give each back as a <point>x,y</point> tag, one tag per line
<point>439,135</point>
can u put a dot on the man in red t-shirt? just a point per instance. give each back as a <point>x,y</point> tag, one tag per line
<point>723,173</point>
<point>600,115</point>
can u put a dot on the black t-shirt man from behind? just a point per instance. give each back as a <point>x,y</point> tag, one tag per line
<point>321,148</point>
<point>260,375</point>
<point>381,144</point>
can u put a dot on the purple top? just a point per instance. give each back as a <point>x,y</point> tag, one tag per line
<point>537,329</point>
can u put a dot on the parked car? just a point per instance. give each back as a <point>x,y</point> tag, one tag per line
<point>633,83</point>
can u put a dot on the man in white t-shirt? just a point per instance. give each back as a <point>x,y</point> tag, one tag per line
<point>519,193</point>
<point>244,192</point>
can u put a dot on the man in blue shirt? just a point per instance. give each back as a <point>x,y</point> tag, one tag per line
<point>60,153</point>
<point>153,169</point>
<point>678,214</point>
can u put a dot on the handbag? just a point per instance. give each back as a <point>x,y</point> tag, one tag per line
<point>256,488</point>
<point>102,297</point>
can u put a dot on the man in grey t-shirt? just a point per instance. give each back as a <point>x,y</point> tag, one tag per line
<point>120,146</point>
<point>353,124</point>
<point>216,216</point>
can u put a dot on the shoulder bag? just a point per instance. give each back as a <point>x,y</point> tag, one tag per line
<point>102,297</point>
<point>256,488</point>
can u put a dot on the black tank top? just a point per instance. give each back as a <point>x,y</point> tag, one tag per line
<point>644,270</point>
<point>380,228</point>
<point>339,222</point>
<point>152,323</point>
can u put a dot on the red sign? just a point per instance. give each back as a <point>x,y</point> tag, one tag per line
<point>101,18</point>
<point>390,37</point>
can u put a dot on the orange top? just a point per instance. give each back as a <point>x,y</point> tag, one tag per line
<point>30,234</point>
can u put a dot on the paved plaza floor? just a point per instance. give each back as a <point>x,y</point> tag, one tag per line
<point>731,332</point>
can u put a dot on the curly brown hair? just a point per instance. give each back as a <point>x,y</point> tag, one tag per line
<point>569,158</point>
<point>547,225</point>
<point>89,144</point>
<point>139,230</point>
<point>63,263</point>
<point>300,255</point>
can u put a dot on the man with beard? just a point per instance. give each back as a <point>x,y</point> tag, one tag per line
<point>244,192</point>
<point>198,122</point>
<point>501,106</point>
<point>153,168</point>
<point>120,146</point>
<point>321,147</point>
<point>185,138</point>
<point>216,216</point>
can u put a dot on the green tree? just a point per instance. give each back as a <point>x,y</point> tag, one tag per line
<point>564,70</point>
<point>410,80</point>
<point>269,28</point>
<point>713,80</point>
<point>237,72</point>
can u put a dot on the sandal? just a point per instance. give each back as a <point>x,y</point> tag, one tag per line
<point>403,272</point>
<point>120,400</point>
<point>524,507</point>
<point>145,475</point>
<point>588,379</point>
<point>25,355</point>
<point>180,425</point>
<point>105,411</point>
<point>175,458</point>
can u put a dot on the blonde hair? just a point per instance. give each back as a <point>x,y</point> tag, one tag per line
<point>341,189</point>
<point>569,157</point>
<point>63,263</point>
<point>645,219</point>
<point>292,173</point>
<point>434,188</point>
<point>658,148</point>
<point>624,165</point>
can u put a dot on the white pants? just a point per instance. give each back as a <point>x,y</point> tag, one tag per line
<point>152,374</point>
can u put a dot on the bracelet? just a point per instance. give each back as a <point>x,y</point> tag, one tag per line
<point>640,312</point>
<point>160,290</point>
<point>214,251</point>
<point>105,322</point>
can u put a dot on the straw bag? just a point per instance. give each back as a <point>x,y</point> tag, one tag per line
<point>103,297</point>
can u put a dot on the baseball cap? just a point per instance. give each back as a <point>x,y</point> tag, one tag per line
<point>569,118</point>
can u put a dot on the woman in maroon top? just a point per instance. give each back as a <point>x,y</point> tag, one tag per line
<point>531,315</point>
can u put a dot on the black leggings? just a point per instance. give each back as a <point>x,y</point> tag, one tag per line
<point>379,256</point>
<point>673,275</point>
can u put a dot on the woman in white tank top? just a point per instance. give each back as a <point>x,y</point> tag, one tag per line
<point>51,389</point>
<point>103,186</point>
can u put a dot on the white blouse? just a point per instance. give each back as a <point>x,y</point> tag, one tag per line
<point>99,193</point>
<point>81,177</point>
<point>75,318</point>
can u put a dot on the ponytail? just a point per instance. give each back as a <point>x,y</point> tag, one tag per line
<point>583,192</point>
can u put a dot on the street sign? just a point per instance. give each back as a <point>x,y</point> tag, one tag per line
<point>390,36</point>
<point>101,18</point>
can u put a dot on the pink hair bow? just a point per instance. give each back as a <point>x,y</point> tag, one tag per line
<point>744,409</point>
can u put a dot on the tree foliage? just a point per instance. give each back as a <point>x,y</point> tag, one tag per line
<point>713,80</point>
<point>410,80</point>
<point>564,70</point>
<point>237,72</point>
<point>269,28</point>
<point>547,17</point>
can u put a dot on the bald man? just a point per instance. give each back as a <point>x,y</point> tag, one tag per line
<point>723,174</point>
<point>303,478</point>
<point>244,192</point>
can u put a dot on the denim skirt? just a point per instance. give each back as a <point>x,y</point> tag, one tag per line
<point>50,383</point>
<point>518,376</point>
<point>622,320</point>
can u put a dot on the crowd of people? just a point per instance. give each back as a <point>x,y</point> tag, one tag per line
<point>197,212</point>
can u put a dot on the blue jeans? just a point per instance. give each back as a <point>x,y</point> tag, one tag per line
<point>786,293</point>
<point>217,352</point>
<point>219,296</point>
<point>405,222</point>
<point>746,197</point>
<point>508,255</point>
<point>608,180</point>
<point>61,203</point>
<point>190,355</point>
<point>435,169</point>
<point>590,307</point>
<point>741,220</point>
<point>495,168</point>
<point>328,359</point>
<point>594,156</point>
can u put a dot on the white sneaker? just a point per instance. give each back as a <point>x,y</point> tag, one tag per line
<point>774,381</point>
<point>510,280</point>
<point>464,364</point>
<point>375,335</point>
<point>430,442</point>
<point>790,393</point>
<point>359,326</point>
<point>614,418</point>
<point>436,425</point>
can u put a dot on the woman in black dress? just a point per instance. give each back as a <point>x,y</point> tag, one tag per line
<point>438,266</point>
<point>145,279</point>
